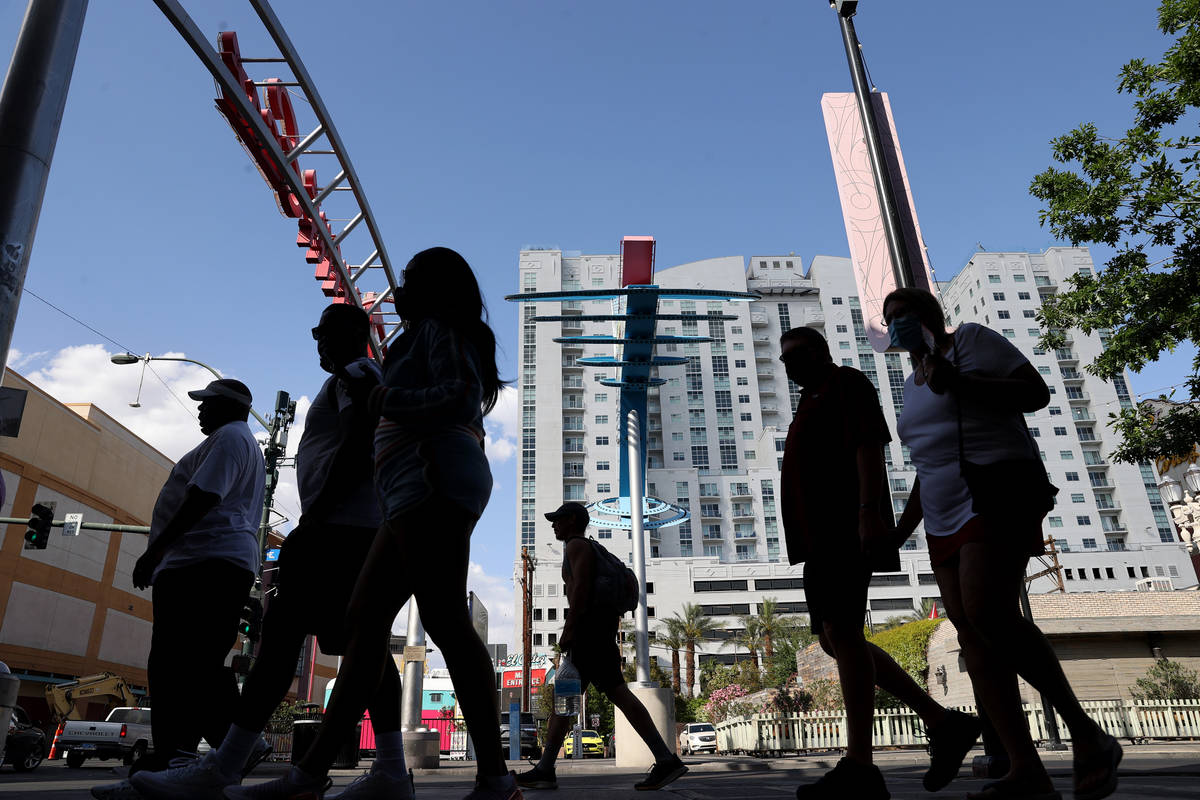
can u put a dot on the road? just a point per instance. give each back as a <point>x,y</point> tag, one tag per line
<point>1160,772</point>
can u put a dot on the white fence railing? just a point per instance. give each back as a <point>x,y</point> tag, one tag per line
<point>826,730</point>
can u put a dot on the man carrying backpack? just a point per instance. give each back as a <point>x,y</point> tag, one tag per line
<point>589,639</point>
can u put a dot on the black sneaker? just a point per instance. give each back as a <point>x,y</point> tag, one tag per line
<point>537,778</point>
<point>662,773</point>
<point>948,746</point>
<point>849,779</point>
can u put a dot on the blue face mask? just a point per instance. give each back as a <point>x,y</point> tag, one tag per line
<point>905,332</point>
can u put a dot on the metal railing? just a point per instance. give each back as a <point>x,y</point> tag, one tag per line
<point>826,730</point>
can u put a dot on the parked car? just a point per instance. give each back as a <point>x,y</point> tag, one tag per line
<point>529,735</point>
<point>124,734</point>
<point>25,746</point>
<point>590,743</point>
<point>698,737</point>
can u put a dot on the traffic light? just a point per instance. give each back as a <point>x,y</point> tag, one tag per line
<point>38,534</point>
<point>252,615</point>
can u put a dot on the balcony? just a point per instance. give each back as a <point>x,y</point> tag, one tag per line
<point>762,338</point>
<point>1118,528</point>
<point>572,403</point>
<point>1089,435</point>
<point>1072,377</point>
<point>766,376</point>
<point>739,490</point>
<point>1066,356</point>
<point>758,320</point>
<point>572,384</point>
<point>745,535</point>
<point>1085,418</point>
<point>713,536</point>
<point>742,511</point>
<point>763,355</point>
<point>1079,399</point>
<point>571,365</point>
<point>814,319</point>
<point>767,391</point>
<point>1101,464</point>
<point>770,409</point>
<point>1110,507</point>
<point>570,476</point>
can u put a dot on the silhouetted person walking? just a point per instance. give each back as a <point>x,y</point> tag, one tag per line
<point>589,639</point>
<point>318,566</point>
<point>963,415</point>
<point>201,560</point>
<point>432,477</point>
<point>837,519</point>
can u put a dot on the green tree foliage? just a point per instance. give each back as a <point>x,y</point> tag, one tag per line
<point>693,626</point>
<point>690,709</point>
<point>1167,680</point>
<point>826,694</point>
<point>281,718</point>
<point>1140,195</point>
<point>790,636</point>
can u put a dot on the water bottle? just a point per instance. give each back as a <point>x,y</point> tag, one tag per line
<point>566,689</point>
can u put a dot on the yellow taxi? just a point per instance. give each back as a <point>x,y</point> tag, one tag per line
<point>590,743</point>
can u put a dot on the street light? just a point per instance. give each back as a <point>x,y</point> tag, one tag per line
<point>1183,498</point>
<point>125,359</point>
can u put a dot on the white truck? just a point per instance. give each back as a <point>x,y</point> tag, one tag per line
<point>124,734</point>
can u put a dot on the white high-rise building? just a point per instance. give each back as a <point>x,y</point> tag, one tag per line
<point>716,431</point>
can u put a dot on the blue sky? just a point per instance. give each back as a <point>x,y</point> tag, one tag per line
<point>491,126</point>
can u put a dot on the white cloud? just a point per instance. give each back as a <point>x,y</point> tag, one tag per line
<point>503,427</point>
<point>165,417</point>
<point>19,361</point>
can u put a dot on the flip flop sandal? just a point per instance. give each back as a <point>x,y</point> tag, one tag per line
<point>1010,790</point>
<point>1110,755</point>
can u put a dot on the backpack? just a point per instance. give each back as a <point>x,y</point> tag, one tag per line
<point>614,585</point>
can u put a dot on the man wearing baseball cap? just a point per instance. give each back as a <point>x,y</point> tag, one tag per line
<point>201,560</point>
<point>589,639</point>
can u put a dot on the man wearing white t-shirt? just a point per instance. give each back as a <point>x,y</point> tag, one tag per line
<point>201,560</point>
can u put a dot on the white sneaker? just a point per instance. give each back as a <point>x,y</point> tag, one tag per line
<point>279,789</point>
<point>121,790</point>
<point>378,786</point>
<point>198,779</point>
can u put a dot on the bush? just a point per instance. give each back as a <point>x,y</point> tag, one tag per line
<point>826,694</point>
<point>690,710</point>
<point>726,702</point>
<point>1167,680</point>
<point>909,646</point>
<point>282,717</point>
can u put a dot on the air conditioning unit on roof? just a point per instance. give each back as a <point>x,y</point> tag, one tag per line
<point>1155,585</point>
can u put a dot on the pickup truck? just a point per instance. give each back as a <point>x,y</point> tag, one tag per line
<point>125,734</point>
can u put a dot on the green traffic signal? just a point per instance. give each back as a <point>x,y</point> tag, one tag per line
<point>37,536</point>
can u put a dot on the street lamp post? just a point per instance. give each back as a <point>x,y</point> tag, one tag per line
<point>125,359</point>
<point>1183,498</point>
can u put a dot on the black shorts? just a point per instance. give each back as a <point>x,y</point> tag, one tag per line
<point>595,652</point>
<point>319,564</point>
<point>836,591</point>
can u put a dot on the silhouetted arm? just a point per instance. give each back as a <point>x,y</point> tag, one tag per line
<point>579,553</point>
<point>352,463</point>
<point>454,393</point>
<point>911,515</point>
<point>195,506</point>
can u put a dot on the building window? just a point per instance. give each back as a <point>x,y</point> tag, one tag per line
<point>1083,519</point>
<point>1072,476</point>
<point>601,440</point>
<point>1060,431</point>
<point>1077,497</point>
<point>601,465</point>
<point>1056,522</point>
<point>1009,333</point>
<point>998,296</point>
<point>1089,544</point>
<point>836,301</point>
<point>603,488</point>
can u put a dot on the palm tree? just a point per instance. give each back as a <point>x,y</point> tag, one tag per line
<point>670,636</point>
<point>694,626</point>
<point>771,624</point>
<point>751,637</point>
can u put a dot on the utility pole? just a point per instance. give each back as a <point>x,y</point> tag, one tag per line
<point>528,563</point>
<point>31,110</point>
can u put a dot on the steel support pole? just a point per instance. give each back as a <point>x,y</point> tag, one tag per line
<point>1053,740</point>
<point>31,110</point>
<point>414,671</point>
<point>901,266</point>
<point>633,441</point>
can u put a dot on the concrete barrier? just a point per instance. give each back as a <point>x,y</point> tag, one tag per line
<point>421,749</point>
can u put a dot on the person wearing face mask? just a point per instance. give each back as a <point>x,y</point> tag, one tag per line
<point>963,418</point>
<point>837,519</point>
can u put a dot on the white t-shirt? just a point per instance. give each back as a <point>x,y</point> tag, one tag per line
<point>228,464</point>
<point>929,426</point>
<point>319,444</point>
